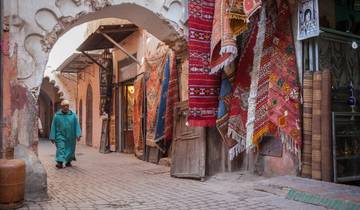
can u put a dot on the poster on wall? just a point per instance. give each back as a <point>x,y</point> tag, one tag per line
<point>308,19</point>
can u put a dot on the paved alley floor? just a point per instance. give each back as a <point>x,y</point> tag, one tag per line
<point>120,181</point>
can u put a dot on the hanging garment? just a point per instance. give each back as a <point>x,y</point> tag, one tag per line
<point>223,43</point>
<point>137,115</point>
<point>173,97</point>
<point>203,87</point>
<point>239,100</point>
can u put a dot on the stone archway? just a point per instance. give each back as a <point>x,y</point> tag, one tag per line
<point>34,29</point>
<point>31,31</point>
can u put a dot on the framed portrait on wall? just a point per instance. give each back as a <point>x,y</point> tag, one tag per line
<point>308,19</point>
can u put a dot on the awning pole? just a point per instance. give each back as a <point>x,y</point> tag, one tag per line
<point>93,60</point>
<point>120,47</point>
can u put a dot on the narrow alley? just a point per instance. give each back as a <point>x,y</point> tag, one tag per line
<point>120,181</point>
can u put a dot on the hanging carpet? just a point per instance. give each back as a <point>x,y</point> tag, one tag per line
<point>173,97</point>
<point>277,105</point>
<point>137,115</point>
<point>240,94</point>
<point>203,87</point>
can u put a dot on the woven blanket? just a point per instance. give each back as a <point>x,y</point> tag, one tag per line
<point>203,87</point>
<point>153,84</point>
<point>173,97</point>
<point>239,100</point>
<point>239,11</point>
<point>223,110</point>
<point>277,104</point>
<point>160,113</point>
<point>137,115</point>
<point>223,43</point>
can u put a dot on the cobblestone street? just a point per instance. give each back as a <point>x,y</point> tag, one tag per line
<point>120,181</point>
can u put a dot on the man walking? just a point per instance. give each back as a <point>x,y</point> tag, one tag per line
<point>65,130</point>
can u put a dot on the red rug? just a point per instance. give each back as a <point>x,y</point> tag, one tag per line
<point>277,108</point>
<point>239,101</point>
<point>203,87</point>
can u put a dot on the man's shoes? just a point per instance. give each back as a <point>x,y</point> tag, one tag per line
<point>59,165</point>
<point>68,164</point>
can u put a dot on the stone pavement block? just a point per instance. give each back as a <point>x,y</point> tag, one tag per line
<point>120,181</point>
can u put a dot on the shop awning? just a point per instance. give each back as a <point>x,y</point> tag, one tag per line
<point>96,41</point>
<point>76,62</point>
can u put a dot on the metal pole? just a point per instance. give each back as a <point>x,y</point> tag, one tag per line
<point>311,55</point>
<point>316,54</point>
<point>120,47</point>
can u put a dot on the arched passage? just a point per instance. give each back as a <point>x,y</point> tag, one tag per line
<point>34,28</point>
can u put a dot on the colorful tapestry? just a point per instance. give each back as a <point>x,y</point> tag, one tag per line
<point>239,100</point>
<point>160,114</point>
<point>239,11</point>
<point>153,79</point>
<point>261,123</point>
<point>223,43</point>
<point>203,87</point>
<point>223,110</point>
<point>277,109</point>
<point>137,115</point>
<point>173,97</point>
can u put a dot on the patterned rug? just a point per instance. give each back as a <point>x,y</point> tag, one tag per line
<point>173,97</point>
<point>239,12</point>
<point>153,78</point>
<point>239,101</point>
<point>277,108</point>
<point>203,87</point>
<point>223,43</point>
<point>137,115</point>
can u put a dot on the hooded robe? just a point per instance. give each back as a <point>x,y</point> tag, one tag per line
<point>65,128</point>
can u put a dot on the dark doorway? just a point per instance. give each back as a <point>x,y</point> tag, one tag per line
<point>89,115</point>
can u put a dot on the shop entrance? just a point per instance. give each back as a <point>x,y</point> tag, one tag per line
<point>127,116</point>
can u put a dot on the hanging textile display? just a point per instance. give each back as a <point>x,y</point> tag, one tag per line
<point>277,109</point>
<point>307,124</point>
<point>239,11</point>
<point>223,110</point>
<point>160,113</point>
<point>239,100</point>
<point>137,115</point>
<point>223,43</point>
<point>203,87</point>
<point>172,98</point>
<point>153,79</point>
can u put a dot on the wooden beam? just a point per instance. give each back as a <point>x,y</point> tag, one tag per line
<point>120,47</point>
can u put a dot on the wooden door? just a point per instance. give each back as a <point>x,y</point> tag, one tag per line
<point>127,116</point>
<point>89,115</point>
<point>189,146</point>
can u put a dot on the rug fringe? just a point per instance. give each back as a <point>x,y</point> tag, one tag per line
<point>233,53</point>
<point>236,150</point>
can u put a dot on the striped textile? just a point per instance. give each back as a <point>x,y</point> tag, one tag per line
<point>203,87</point>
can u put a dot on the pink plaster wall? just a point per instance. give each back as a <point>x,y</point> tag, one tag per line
<point>90,75</point>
